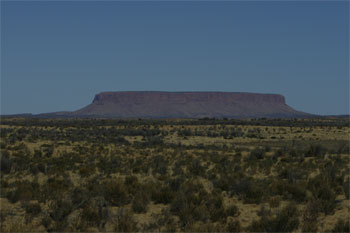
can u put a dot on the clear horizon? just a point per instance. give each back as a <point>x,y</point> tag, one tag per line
<point>56,56</point>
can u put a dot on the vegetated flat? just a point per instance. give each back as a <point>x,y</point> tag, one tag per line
<point>175,175</point>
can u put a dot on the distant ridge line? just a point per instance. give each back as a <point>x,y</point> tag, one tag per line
<point>187,104</point>
<point>182,104</point>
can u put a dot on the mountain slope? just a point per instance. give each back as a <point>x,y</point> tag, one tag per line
<point>153,104</point>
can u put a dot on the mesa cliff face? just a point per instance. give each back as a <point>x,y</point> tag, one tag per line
<point>154,104</point>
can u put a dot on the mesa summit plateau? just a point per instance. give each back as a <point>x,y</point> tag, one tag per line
<point>161,104</point>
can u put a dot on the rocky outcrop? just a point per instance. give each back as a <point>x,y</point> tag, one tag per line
<point>154,104</point>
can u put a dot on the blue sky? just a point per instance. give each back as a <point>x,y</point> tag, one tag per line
<point>57,55</point>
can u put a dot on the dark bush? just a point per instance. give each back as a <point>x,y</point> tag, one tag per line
<point>196,168</point>
<point>6,162</point>
<point>140,202</point>
<point>254,194</point>
<point>115,193</point>
<point>193,203</point>
<point>215,207</point>
<point>233,226</point>
<point>79,197</point>
<point>159,165</point>
<point>346,187</point>
<point>175,183</point>
<point>163,195</point>
<point>316,151</point>
<point>341,226</point>
<point>46,221</point>
<point>33,208</point>
<point>202,213</point>
<point>292,174</point>
<point>90,215</point>
<point>296,192</point>
<point>86,171</point>
<point>274,201</point>
<point>310,215</point>
<point>23,192</point>
<point>232,210</point>
<point>264,211</point>
<point>33,169</point>
<point>286,221</point>
<point>60,209</point>
<point>256,154</point>
<point>327,199</point>
<point>124,222</point>
<point>132,184</point>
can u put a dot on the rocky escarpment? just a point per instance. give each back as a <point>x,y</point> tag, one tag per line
<point>153,104</point>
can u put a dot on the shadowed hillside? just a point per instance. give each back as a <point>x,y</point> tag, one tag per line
<point>153,104</point>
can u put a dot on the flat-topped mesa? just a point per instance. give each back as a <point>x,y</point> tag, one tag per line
<point>158,104</point>
<point>139,97</point>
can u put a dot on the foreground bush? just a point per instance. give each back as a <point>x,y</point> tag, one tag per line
<point>286,221</point>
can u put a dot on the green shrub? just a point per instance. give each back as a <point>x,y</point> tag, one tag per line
<point>233,226</point>
<point>175,183</point>
<point>159,165</point>
<point>316,150</point>
<point>309,227</point>
<point>256,154</point>
<point>264,211</point>
<point>115,193</point>
<point>215,207</point>
<point>346,187</point>
<point>86,171</point>
<point>250,191</point>
<point>23,192</point>
<point>60,209</point>
<point>200,213</point>
<point>232,210</point>
<point>163,195</point>
<point>196,168</point>
<point>46,221</point>
<point>341,226</point>
<point>124,222</point>
<point>5,162</point>
<point>140,202</point>
<point>295,192</point>
<point>55,186</point>
<point>188,203</point>
<point>203,227</point>
<point>80,197</point>
<point>327,199</point>
<point>286,221</point>
<point>33,169</point>
<point>132,184</point>
<point>131,181</point>
<point>33,208</point>
<point>90,215</point>
<point>274,201</point>
<point>310,215</point>
<point>254,194</point>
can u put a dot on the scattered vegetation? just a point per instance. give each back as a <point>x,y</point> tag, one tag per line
<point>222,175</point>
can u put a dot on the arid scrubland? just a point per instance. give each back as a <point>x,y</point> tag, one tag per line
<point>256,175</point>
